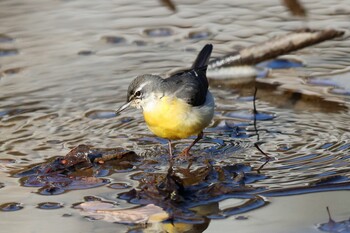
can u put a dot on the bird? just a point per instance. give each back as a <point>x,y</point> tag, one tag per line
<point>176,107</point>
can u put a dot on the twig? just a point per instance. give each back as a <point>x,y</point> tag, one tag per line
<point>275,47</point>
<point>255,112</point>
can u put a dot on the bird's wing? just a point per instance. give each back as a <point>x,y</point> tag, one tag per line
<point>187,87</point>
<point>192,85</point>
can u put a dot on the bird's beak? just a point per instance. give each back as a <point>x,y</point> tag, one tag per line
<point>124,106</point>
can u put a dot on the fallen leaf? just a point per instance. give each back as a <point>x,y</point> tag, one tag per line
<point>109,213</point>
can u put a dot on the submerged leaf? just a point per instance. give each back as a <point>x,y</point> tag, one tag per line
<point>109,213</point>
<point>76,170</point>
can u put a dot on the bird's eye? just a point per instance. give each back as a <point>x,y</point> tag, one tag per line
<point>138,94</point>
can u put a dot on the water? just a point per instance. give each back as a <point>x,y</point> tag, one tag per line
<point>65,67</point>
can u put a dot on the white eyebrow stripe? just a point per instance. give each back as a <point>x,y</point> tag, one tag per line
<point>141,86</point>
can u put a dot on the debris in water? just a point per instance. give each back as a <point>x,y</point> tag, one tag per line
<point>75,170</point>
<point>275,47</point>
<point>108,212</point>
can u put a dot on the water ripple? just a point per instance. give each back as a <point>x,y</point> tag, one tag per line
<point>68,72</point>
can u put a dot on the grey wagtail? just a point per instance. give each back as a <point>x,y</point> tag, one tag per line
<point>178,106</point>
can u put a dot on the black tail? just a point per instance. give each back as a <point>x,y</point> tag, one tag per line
<point>202,59</point>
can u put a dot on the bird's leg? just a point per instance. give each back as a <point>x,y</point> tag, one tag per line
<point>186,151</point>
<point>170,149</point>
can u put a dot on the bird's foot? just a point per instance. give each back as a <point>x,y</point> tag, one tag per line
<point>185,153</point>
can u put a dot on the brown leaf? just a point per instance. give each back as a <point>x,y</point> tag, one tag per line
<point>108,212</point>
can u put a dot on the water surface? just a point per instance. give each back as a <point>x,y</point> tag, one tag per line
<point>65,67</point>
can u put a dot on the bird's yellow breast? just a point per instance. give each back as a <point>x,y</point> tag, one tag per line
<point>173,118</point>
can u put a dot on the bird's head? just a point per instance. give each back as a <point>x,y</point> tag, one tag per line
<point>140,90</point>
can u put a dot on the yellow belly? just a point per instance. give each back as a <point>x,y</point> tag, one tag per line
<point>174,119</point>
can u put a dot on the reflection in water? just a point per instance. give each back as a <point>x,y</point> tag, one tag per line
<point>12,206</point>
<point>333,226</point>
<point>8,52</point>
<point>65,66</point>
<point>190,195</point>
<point>49,205</point>
<point>5,38</point>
